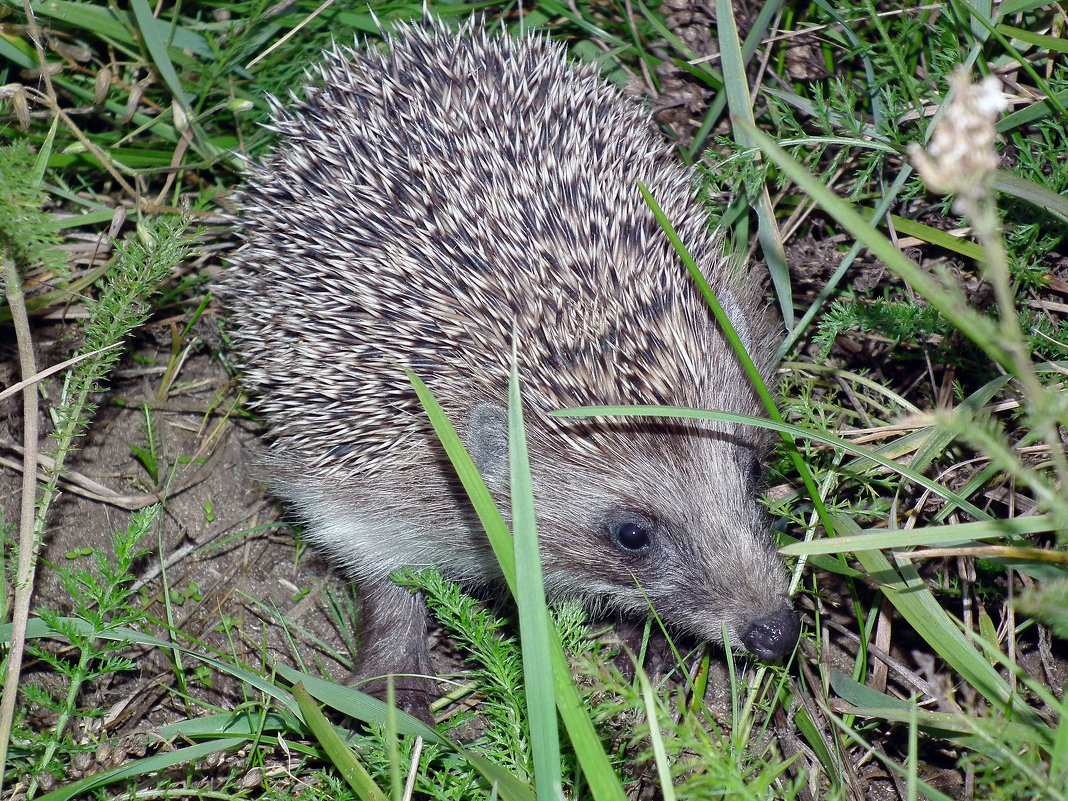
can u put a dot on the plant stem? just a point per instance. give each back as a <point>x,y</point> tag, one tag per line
<point>1044,415</point>
<point>27,561</point>
<point>77,679</point>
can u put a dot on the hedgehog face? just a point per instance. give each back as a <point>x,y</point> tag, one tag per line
<point>667,517</point>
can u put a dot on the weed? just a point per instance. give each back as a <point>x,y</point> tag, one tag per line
<point>147,454</point>
<point>102,600</point>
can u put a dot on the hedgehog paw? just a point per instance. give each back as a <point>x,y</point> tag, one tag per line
<point>394,637</point>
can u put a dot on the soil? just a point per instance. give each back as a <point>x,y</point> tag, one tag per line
<point>219,543</point>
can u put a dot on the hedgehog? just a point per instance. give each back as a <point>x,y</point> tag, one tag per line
<point>427,201</point>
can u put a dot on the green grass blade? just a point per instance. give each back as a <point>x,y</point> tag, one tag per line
<point>10,51</point>
<point>740,102</point>
<point>496,529</point>
<point>1038,196</point>
<point>912,765</point>
<point>356,704</point>
<point>1013,7</point>
<point>243,722</point>
<point>1054,43</point>
<point>505,785</point>
<point>656,737</point>
<point>603,782</point>
<point>1028,114</point>
<point>757,33</point>
<point>340,755</point>
<point>814,737</point>
<point>143,767</point>
<point>559,9</point>
<point>155,37</point>
<point>1058,766</point>
<point>701,70</point>
<point>44,153</point>
<point>534,623</point>
<point>942,239</point>
<point>930,536</point>
<point>396,782</point>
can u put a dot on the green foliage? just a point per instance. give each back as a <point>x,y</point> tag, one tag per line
<point>495,665</point>
<point>26,235</point>
<point>143,262</point>
<point>1007,768</point>
<point>440,774</point>
<point>708,760</point>
<point>102,600</point>
<point>893,319</point>
<point>886,73</point>
<point>1047,336</point>
<point>147,455</point>
<point>1050,606</point>
<point>1029,245</point>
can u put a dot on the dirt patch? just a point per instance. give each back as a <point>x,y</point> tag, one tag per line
<point>221,547</point>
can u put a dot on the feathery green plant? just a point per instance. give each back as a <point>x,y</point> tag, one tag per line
<point>102,601</point>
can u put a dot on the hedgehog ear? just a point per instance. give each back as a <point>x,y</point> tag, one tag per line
<point>487,443</point>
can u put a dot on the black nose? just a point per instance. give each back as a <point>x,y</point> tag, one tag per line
<point>772,636</point>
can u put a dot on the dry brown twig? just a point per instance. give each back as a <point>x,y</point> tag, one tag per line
<point>25,570</point>
<point>24,573</point>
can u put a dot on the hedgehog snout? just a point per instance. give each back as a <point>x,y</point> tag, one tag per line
<point>773,636</point>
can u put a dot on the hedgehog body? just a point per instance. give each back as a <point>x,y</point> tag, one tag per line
<point>423,204</point>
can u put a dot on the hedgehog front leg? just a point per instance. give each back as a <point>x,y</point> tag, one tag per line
<point>393,626</point>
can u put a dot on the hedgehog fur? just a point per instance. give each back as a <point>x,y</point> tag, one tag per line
<point>424,202</point>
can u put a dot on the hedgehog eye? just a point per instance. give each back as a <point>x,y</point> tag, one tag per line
<point>631,537</point>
